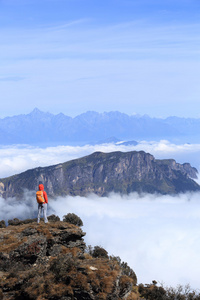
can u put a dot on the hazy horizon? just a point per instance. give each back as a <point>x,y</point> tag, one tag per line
<point>73,56</point>
<point>98,112</point>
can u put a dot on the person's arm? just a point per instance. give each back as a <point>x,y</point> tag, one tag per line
<point>45,196</point>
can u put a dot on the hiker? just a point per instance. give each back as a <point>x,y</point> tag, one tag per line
<point>42,200</point>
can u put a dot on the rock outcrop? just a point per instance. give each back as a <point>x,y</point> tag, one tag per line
<point>49,261</point>
<point>102,173</point>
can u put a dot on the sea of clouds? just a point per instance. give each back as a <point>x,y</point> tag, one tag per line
<point>158,236</point>
<point>18,158</point>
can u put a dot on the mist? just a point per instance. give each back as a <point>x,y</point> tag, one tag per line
<point>18,158</point>
<point>158,236</point>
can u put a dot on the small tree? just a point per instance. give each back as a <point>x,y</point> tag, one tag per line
<point>99,252</point>
<point>2,224</point>
<point>73,219</point>
<point>53,218</point>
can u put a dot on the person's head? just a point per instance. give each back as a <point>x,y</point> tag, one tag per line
<point>41,187</point>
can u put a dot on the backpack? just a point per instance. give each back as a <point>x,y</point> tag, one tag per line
<point>39,197</point>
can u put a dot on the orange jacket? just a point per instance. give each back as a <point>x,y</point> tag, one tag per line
<point>41,188</point>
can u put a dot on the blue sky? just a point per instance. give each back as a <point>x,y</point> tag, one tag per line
<point>71,56</point>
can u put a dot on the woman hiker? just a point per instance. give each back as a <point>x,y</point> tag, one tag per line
<point>42,200</point>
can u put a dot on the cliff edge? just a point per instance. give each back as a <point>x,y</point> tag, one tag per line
<point>50,261</point>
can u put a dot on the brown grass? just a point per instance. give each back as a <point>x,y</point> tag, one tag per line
<point>44,230</point>
<point>74,251</point>
<point>87,256</point>
<point>10,243</point>
<point>43,282</point>
<point>101,296</point>
<point>59,290</point>
<point>134,295</point>
<point>82,282</point>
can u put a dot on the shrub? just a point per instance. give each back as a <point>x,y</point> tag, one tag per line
<point>14,222</point>
<point>17,222</point>
<point>2,224</point>
<point>61,266</point>
<point>153,292</point>
<point>53,218</point>
<point>73,219</point>
<point>126,270</point>
<point>96,251</point>
<point>99,252</point>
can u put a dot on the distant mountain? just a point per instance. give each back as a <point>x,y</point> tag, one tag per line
<point>102,173</point>
<point>128,143</point>
<point>40,128</point>
<point>117,142</point>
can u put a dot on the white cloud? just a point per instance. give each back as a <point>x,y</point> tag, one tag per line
<point>11,208</point>
<point>16,159</point>
<point>158,236</point>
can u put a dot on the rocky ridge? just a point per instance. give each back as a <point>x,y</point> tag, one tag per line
<point>50,261</point>
<point>102,173</point>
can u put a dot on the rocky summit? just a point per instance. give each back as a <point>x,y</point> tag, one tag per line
<point>51,261</point>
<point>102,173</point>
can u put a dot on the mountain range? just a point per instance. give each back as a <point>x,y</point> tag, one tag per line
<point>43,128</point>
<point>102,173</point>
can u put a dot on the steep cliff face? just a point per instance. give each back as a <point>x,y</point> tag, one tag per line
<point>49,261</point>
<point>101,173</point>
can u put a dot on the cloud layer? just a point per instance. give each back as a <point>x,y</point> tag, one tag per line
<point>158,236</point>
<point>16,159</point>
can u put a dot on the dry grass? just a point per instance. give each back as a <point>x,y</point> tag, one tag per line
<point>44,230</point>
<point>38,286</point>
<point>44,285</point>
<point>134,295</point>
<point>87,256</point>
<point>63,274</point>
<point>81,281</point>
<point>102,296</point>
<point>103,278</point>
<point>10,243</point>
<point>74,251</point>
<point>1,294</point>
<point>108,283</point>
<point>60,289</point>
<point>61,225</point>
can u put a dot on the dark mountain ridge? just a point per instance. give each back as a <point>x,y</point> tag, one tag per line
<point>102,173</point>
<point>40,128</point>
